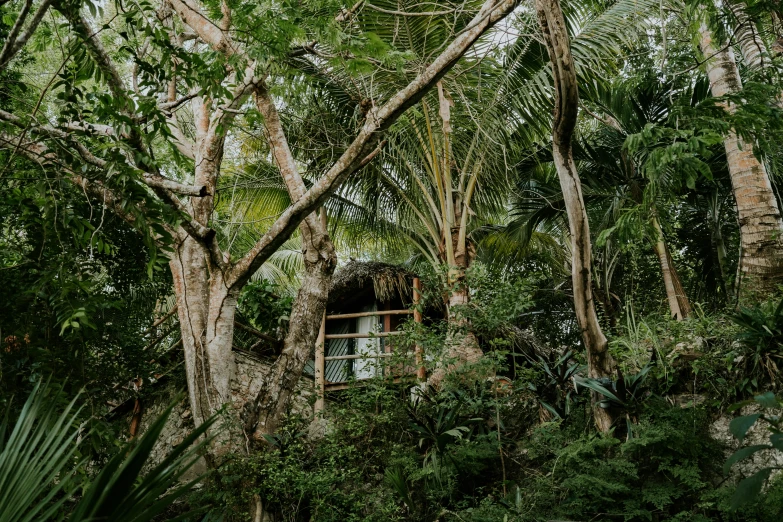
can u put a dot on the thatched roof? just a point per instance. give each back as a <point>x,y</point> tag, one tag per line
<point>359,277</point>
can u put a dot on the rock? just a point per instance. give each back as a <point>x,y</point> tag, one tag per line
<point>758,434</point>
<point>687,400</point>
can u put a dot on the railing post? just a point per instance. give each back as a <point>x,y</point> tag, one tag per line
<point>421,372</point>
<point>320,367</point>
<point>320,348</point>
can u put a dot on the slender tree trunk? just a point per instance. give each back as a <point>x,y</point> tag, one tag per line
<point>274,398</point>
<point>320,259</point>
<point>599,361</point>
<point>679,306</point>
<point>761,227</point>
<point>462,346</point>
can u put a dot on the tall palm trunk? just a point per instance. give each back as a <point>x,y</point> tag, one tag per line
<point>679,305</point>
<point>462,346</point>
<point>599,361</point>
<point>761,227</point>
<point>752,47</point>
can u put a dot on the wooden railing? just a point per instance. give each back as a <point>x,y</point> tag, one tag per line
<point>320,347</point>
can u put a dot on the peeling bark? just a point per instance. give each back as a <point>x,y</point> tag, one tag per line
<point>599,361</point>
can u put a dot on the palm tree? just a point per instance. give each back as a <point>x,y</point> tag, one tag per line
<point>615,184</point>
<point>761,226</point>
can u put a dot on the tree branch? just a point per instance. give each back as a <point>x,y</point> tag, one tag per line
<point>14,44</point>
<point>151,180</point>
<point>208,31</point>
<point>39,153</point>
<point>170,106</point>
<point>377,121</point>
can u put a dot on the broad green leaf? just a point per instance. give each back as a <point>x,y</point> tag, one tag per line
<point>742,454</point>
<point>767,400</point>
<point>748,489</point>
<point>739,427</point>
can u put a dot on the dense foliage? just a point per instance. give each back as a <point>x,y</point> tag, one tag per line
<point>588,191</point>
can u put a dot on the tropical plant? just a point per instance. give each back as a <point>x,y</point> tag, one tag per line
<point>770,414</point>
<point>757,348</point>
<point>624,395</point>
<point>438,420</point>
<point>41,463</point>
<point>556,392</point>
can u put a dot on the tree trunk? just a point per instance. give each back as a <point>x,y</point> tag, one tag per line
<point>752,47</point>
<point>600,364</point>
<point>320,259</point>
<point>761,228</point>
<point>461,345</point>
<point>206,316</point>
<point>274,398</point>
<point>679,306</point>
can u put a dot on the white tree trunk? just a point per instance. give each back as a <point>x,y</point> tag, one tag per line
<point>206,316</point>
<point>599,361</point>
<point>761,227</point>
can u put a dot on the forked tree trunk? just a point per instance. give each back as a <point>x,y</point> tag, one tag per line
<point>206,303</point>
<point>679,306</point>
<point>761,227</point>
<point>599,361</point>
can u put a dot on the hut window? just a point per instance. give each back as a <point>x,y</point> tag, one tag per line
<point>368,368</point>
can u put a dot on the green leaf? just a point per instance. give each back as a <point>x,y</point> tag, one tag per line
<point>739,427</point>
<point>748,489</point>
<point>767,400</point>
<point>742,454</point>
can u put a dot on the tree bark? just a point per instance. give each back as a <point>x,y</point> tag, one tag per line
<point>206,309</point>
<point>274,398</point>
<point>679,306</point>
<point>599,361</point>
<point>752,47</point>
<point>320,259</point>
<point>761,227</point>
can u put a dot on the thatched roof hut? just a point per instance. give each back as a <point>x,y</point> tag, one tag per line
<point>359,282</point>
